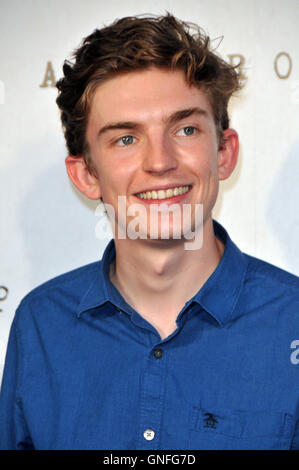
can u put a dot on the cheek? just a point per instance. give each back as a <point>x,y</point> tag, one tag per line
<point>206,168</point>
<point>207,173</point>
<point>115,179</point>
<point>203,157</point>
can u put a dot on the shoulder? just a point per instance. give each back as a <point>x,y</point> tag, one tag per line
<point>273,291</point>
<point>68,280</point>
<point>76,279</point>
<point>271,275</point>
<point>60,295</point>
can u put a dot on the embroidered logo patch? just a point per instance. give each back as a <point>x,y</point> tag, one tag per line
<point>210,421</point>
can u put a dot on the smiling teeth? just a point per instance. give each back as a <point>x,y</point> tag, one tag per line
<point>163,194</point>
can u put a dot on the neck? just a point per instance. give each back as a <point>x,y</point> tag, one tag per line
<point>157,279</point>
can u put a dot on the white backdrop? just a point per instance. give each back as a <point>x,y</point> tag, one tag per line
<point>47,227</point>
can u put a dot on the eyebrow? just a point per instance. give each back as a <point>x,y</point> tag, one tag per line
<point>172,119</point>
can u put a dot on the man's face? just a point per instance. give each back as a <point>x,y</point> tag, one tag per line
<point>148,131</point>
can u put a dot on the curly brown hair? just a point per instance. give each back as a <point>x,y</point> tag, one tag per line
<point>135,43</point>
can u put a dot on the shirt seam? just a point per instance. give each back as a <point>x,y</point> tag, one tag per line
<point>241,286</point>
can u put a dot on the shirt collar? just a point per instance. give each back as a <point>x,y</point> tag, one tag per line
<point>220,293</point>
<point>218,296</point>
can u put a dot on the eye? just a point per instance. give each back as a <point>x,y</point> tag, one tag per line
<point>125,140</point>
<point>186,131</point>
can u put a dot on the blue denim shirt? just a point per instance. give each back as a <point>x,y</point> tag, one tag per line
<point>84,370</point>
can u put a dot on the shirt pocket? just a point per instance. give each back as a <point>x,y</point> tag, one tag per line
<point>234,429</point>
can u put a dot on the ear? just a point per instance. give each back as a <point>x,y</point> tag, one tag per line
<point>228,153</point>
<point>79,174</point>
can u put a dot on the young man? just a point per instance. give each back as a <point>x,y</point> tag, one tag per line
<point>156,346</point>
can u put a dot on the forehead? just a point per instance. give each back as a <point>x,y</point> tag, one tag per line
<point>146,94</point>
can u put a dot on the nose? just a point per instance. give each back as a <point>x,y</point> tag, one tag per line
<point>159,156</point>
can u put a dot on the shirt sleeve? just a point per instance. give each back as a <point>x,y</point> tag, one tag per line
<point>14,434</point>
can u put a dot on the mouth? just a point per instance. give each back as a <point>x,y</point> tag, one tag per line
<point>174,194</point>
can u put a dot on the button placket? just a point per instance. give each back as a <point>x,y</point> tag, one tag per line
<point>149,434</point>
<point>152,398</point>
<point>158,353</point>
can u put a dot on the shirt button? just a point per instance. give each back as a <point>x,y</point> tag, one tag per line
<point>158,353</point>
<point>149,434</point>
